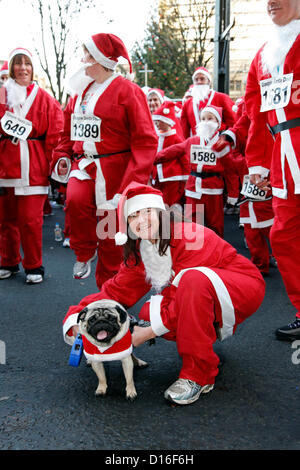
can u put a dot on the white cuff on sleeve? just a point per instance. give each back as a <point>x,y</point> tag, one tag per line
<point>259,170</point>
<point>156,322</point>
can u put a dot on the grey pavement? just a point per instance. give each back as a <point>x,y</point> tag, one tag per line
<point>47,405</point>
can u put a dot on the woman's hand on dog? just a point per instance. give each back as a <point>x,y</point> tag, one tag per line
<point>140,335</point>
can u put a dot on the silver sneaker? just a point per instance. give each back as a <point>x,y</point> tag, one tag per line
<point>5,273</point>
<point>34,278</point>
<point>184,391</point>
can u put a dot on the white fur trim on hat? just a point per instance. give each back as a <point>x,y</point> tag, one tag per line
<point>98,56</point>
<point>143,201</point>
<point>204,72</point>
<point>157,117</point>
<point>214,112</point>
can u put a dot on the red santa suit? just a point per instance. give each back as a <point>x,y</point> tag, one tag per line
<point>272,100</point>
<point>210,172</point>
<point>101,170</point>
<point>169,175</point>
<point>210,290</point>
<point>191,109</point>
<point>24,169</point>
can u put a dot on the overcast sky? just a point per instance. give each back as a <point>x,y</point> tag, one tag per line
<point>18,23</point>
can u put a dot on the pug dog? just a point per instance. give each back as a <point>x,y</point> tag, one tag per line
<point>104,326</point>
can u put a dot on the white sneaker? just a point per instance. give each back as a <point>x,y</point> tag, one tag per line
<point>184,391</point>
<point>34,278</point>
<point>82,270</point>
<point>66,243</point>
<point>5,273</point>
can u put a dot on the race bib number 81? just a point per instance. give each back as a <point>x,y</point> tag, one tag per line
<point>252,191</point>
<point>202,155</point>
<point>85,128</point>
<point>275,92</point>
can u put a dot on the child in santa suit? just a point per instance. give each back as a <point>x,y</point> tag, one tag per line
<point>169,175</point>
<point>210,172</point>
<point>204,287</point>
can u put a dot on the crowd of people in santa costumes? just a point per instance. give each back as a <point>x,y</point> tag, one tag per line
<point>31,125</point>
<point>100,163</point>
<point>125,156</point>
<point>272,105</point>
<point>204,288</point>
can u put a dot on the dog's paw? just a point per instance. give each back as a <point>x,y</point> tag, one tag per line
<point>100,391</point>
<point>131,393</point>
<point>139,363</point>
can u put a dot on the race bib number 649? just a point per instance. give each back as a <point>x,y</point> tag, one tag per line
<point>275,92</point>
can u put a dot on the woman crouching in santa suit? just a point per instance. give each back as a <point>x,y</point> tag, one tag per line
<point>204,288</point>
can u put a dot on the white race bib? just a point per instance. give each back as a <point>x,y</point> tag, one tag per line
<point>85,128</point>
<point>202,155</point>
<point>252,191</point>
<point>16,126</point>
<point>275,92</point>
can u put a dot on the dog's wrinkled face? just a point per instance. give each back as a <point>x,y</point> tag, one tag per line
<point>103,326</point>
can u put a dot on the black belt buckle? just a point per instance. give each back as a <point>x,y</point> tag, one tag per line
<point>15,140</point>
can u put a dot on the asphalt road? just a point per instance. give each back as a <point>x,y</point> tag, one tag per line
<point>47,405</point>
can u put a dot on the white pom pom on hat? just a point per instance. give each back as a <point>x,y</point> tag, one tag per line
<point>135,198</point>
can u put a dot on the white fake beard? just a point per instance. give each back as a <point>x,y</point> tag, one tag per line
<point>16,94</point>
<point>200,92</point>
<point>206,129</point>
<point>78,82</point>
<point>278,46</point>
<point>158,268</point>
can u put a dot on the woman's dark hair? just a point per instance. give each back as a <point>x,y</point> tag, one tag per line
<point>167,218</point>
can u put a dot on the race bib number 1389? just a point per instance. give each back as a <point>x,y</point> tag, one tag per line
<point>85,128</point>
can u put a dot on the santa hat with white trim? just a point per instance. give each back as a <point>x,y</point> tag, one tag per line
<point>4,69</point>
<point>17,51</point>
<point>135,198</point>
<point>215,110</point>
<point>166,113</point>
<point>202,70</point>
<point>158,92</point>
<point>106,49</point>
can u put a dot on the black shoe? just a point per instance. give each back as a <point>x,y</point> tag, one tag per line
<point>289,332</point>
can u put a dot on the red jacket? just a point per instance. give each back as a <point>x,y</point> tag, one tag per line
<point>126,125</point>
<point>26,166</point>
<point>190,114</point>
<point>286,150</point>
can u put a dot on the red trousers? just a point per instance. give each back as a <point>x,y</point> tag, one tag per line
<point>285,243</point>
<point>21,219</point>
<point>257,241</point>
<point>198,309</point>
<point>84,224</point>
<point>213,206</point>
<point>173,191</point>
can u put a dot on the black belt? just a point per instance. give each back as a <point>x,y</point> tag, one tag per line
<point>205,174</point>
<point>77,156</point>
<point>283,126</point>
<point>16,139</point>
